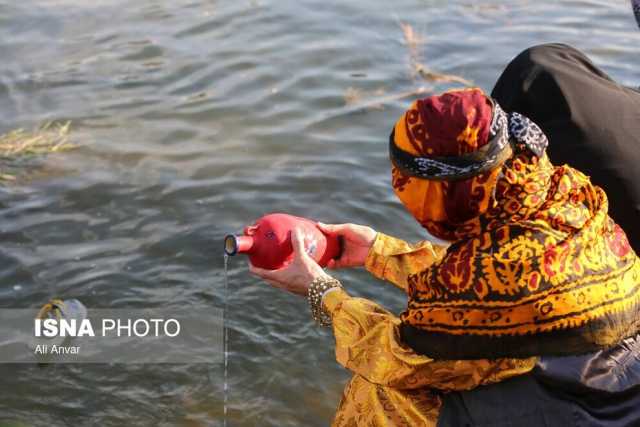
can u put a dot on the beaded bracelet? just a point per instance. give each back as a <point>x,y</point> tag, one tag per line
<point>317,289</point>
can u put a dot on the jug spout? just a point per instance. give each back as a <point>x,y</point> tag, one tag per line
<point>237,244</point>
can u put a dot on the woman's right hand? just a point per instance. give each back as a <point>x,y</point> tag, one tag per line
<point>357,241</point>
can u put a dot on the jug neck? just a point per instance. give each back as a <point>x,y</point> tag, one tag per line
<point>237,244</point>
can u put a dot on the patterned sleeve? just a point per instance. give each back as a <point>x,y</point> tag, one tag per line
<point>394,260</point>
<point>368,344</point>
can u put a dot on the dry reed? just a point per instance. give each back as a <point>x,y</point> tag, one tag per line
<point>414,41</point>
<point>20,144</point>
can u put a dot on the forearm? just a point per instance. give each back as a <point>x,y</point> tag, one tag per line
<point>394,260</point>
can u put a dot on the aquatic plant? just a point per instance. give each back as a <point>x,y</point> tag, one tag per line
<point>434,76</point>
<point>376,100</point>
<point>359,98</point>
<point>414,41</point>
<point>19,144</point>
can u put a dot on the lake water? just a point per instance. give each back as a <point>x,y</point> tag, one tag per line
<point>195,117</point>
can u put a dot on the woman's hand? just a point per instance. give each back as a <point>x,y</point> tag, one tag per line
<point>357,241</point>
<point>298,275</point>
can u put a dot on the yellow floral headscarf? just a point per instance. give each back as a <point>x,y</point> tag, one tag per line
<point>537,266</point>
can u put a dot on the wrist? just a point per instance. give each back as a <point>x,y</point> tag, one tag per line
<point>333,299</point>
<point>327,292</point>
<point>317,274</point>
<point>375,244</point>
<point>317,290</point>
<point>371,238</point>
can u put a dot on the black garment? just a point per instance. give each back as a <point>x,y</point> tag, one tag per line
<point>601,389</point>
<point>593,123</point>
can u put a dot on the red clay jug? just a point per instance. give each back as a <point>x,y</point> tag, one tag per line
<point>268,241</point>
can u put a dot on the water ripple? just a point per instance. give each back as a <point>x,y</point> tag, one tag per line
<point>195,118</point>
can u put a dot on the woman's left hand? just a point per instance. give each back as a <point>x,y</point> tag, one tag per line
<point>298,275</point>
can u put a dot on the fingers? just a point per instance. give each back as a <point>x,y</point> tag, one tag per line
<point>272,277</point>
<point>331,228</point>
<point>275,284</point>
<point>262,273</point>
<point>269,276</point>
<point>327,228</point>
<point>337,264</point>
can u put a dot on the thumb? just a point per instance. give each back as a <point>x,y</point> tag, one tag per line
<point>330,228</point>
<point>297,242</point>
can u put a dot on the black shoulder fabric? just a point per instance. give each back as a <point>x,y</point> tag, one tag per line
<point>614,370</point>
<point>516,402</point>
<point>599,389</point>
<point>592,123</point>
<point>526,402</point>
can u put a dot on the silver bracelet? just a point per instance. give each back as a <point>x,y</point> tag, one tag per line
<point>317,289</point>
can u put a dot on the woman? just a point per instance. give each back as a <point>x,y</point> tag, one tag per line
<point>592,122</point>
<point>535,267</point>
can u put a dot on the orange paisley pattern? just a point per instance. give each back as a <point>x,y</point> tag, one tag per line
<point>544,257</point>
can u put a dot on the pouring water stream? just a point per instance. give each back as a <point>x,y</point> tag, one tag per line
<point>225,339</point>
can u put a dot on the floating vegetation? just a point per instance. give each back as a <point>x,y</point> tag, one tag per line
<point>376,99</point>
<point>20,145</point>
<point>358,98</point>
<point>436,77</point>
<point>485,9</point>
<point>354,96</point>
<point>414,42</point>
<point>49,138</point>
